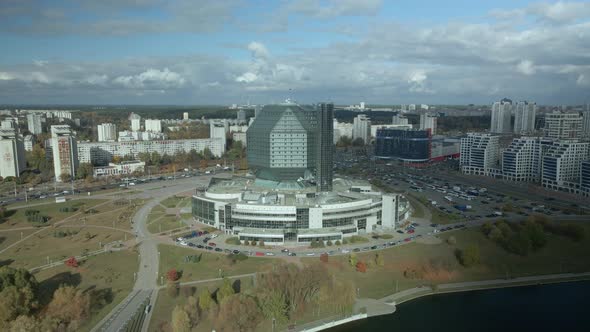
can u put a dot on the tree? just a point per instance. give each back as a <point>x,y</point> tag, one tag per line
<point>344,141</point>
<point>24,323</point>
<point>518,243</point>
<point>70,306</point>
<point>18,294</point>
<point>225,290</point>
<point>239,313</point>
<point>180,320</point>
<point>65,177</point>
<point>379,260</point>
<point>85,170</point>
<point>535,233</point>
<point>172,275</point>
<point>72,262</point>
<point>205,299</point>
<point>192,309</point>
<point>452,240</point>
<point>358,142</point>
<point>207,154</point>
<point>273,305</point>
<point>352,259</point>
<point>361,267</point>
<point>469,256</point>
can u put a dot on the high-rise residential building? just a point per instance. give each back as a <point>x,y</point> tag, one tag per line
<point>153,125</point>
<point>282,142</point>
<point>218,129</point>
<point>65,152</point>
<point>34,123</point>
<point>586,123</point>
<point>29,142</point>
<point>361,128</point>
<point>341,129</point>
<point>135,122</point>
<point>411,107</point>
<point>525,114</point>
<point>185,116</point>
<point>107,132</point>
<point>428,121</point>
<point>501,115</point>
<point>585,178</point>
<point>480,154</point>
<point>325,157</point>
<point>522,160</point>
<point>241,116</point>
<point>562,165</point>
<point>399,119</point>
<point>12,153</point>
<point>563,125</point>
<point>7,124</point>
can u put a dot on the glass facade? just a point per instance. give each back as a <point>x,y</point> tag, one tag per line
<point>412,145</point>
<point>204,210</point>
<point>325,158</point>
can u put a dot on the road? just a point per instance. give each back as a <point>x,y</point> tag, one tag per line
<point>147,275</point>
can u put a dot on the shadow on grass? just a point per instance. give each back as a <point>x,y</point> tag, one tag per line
<point>47,287</point>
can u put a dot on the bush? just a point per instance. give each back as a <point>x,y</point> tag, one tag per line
<point>358,239</point>
<point>233,240</point>
<point>361,267</point>
<point>72,262</point>
<point>344,241</point>
<point>237,257</point>
<point>172,275</point>
<point>469,256</point>
<point>452,240</point>
<point>253,243</point>
<point>337,242</point>
<point>329,243</point>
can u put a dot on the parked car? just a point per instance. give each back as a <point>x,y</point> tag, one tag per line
<point>258,253</point>
<point>212,244</point>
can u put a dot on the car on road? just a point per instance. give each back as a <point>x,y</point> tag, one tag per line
<point>356,249</point>
<point>407,239</point>
<point>235,251</point>
<point>291,254</point>
<point>373,247</point>
<point>258,253</point>
<point>218,249</point>
<point>200,246</point>
<point>400,231</point>
<point>209,248</point>
<point>310,254</point>
<point>269,254</point>
<point>285,250</point>
<point>411,231</point>
<point>212,244</point>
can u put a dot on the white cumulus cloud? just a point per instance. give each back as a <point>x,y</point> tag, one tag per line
<point>152,79</point>
<point>526,67</point>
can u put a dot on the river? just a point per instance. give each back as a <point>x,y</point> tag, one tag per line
<point>552,307</point>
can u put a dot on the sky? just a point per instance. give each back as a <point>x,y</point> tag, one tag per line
<point>193,52</point>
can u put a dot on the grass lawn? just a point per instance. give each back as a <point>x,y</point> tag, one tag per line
<point>18,218</point>
<point>162,311</point>
<point>164,223</point>
<point>9,237</point>
<point>208,267</point>
<point>172,202</point>
<point>109,272</point>
<point>439,217</point>
<point>435,264</point>
<point>418,210</point>
<point>35,250</point>
<point>120,214</point>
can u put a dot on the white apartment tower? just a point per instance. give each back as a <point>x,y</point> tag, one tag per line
<point>217,129</point>
<point>501,113</point>
<point>153,125</point>
<point>135,122</point>
<point>34,123</point>
<point>563,125</point>
<point>185,116</point>
<point>562,165</point>
<point>399,119</point>
<point>7,124</point>
<point>524,117</point>
<point>521,161</point>
<point>361,128</point>
<point>65,151</point>
<point>12,153</point>
<point>107,132</point>
<point>480,154</point>
<point>428,121</point>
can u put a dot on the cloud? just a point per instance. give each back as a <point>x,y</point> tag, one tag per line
<point>246,78</point>
<point>5,76</point>
<point>152,79</point>
<point>333,8</point>
<point>561,12</point>
<point>258,50</point>
<point>583,80</point>
<point>526,67</point>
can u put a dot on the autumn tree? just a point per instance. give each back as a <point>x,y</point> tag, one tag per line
<point>273,305</point>
<point>225,290</point>
<point>205,299</point>
<point>180,320</point>
<point>239,313</point>
<point>192,309</point>
<point>70,306</point>
<point>469,256</point>
<point>361,267</point>
<point>172,275</point>
<point>72,262</point>
<point>24,323</point>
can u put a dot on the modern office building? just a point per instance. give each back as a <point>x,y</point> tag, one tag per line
<point>525,115</point>
<point>501,117</point>
<point>562,165</point>
<point>428,121</point>
<point>325,148</point>
<point>522,160</point>
<point>563,125</point>
<point>585,178</point>
<point>153,125</point>
<point>282,142</point>
<point>480,154</point>
<point>35,123</point>
<point>65,152</point>
<point>249,209</point>
<point>12,153</point>
<point>399,119</point>
<point>101,153</point>
<point>107,132</point>
<point>411,146</point>
<point>361,128</point>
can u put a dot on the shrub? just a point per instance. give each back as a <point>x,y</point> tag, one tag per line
<point>344,241</point>
<point>469,256</point>
<point>233,240</point>
<point>451,240</point>
<point>329,243</point>
<point>337,242</point>
<point>361,267</point>
<point>172,275</point>
<point>352,259</point>
<point>253,243</point>
<point>379,260</point>
<point>72,262</point>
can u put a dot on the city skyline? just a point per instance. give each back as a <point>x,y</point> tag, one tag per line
<point>148,52</point>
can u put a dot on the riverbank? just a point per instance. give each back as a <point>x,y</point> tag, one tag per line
<point>373,307</point>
